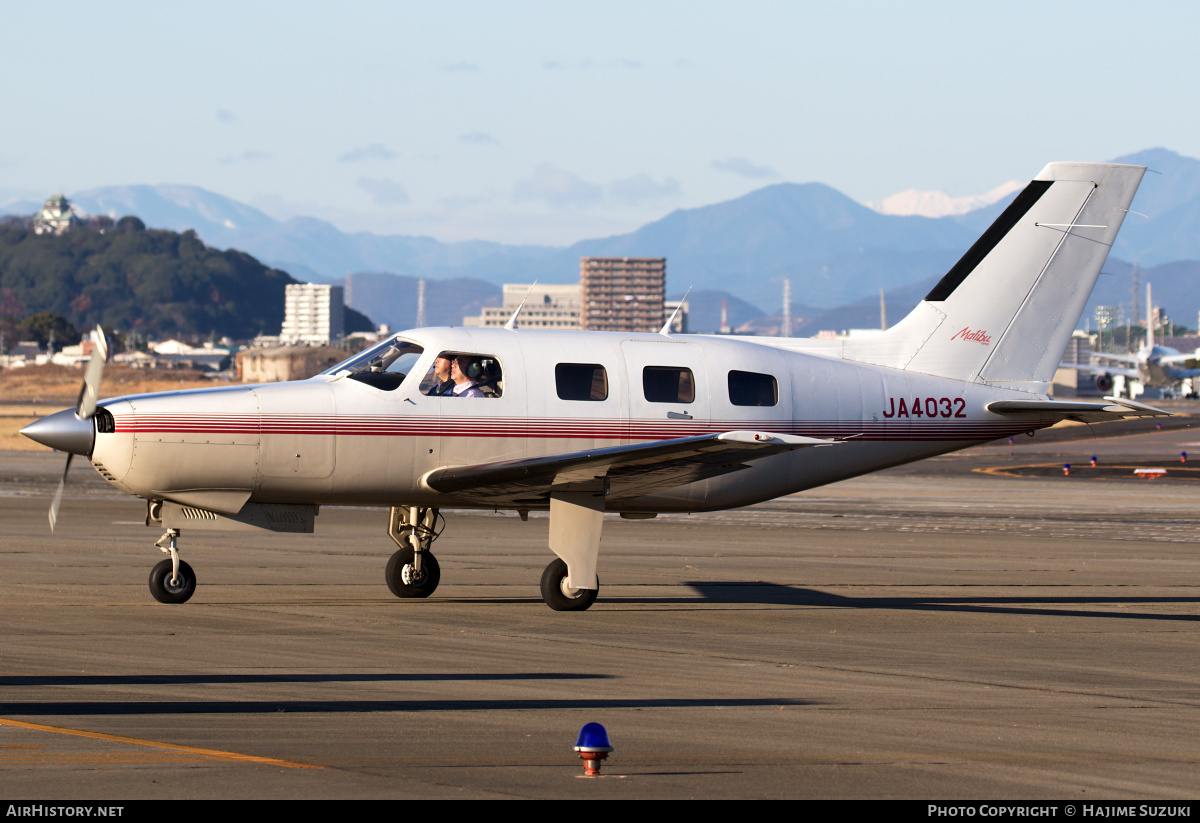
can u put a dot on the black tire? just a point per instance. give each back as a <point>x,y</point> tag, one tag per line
<point>431,574</point>
<point>553,594</point>
<point>160,583</point>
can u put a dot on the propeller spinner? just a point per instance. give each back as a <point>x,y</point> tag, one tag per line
<point>72,430</point>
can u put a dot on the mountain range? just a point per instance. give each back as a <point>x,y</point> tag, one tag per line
<point>836,252</point>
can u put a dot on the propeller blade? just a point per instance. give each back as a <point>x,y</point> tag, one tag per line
<point>89,393</point>
<point>58,494</point>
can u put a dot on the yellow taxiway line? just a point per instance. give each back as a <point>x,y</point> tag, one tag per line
<point>134,741</point>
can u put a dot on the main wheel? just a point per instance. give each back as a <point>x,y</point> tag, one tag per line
<point>405,581</point>
<point>164,590</point>
<point>554,589</point>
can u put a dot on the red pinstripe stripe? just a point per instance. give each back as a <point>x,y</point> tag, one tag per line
<point>632,429</point>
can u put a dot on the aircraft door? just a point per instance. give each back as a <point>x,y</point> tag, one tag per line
<point>669,389</point>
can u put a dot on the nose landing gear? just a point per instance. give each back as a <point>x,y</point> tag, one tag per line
<point>172,581</point>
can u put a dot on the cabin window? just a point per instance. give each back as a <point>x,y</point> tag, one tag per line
<point>747,388</point>
<point>668,384</point>
<point>464,374</point>
<point>581,381</point>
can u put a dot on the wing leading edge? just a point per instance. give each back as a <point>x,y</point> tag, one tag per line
<point>623,472</point>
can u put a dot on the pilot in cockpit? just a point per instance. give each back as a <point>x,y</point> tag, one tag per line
<point>455,374</point>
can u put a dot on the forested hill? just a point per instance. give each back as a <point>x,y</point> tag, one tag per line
<point>158,283</point>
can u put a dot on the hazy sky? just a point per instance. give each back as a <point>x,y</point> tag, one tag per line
<point>549,122</point>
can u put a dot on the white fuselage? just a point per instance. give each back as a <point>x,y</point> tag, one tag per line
<point>333,440</point>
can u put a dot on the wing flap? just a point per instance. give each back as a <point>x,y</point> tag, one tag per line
<point>621,471</point>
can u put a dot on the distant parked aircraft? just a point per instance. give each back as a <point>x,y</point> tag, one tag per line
<point>1151,366</point>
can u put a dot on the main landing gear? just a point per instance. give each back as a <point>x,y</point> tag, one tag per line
<point>557,591</point>
<point>172,581</point>
<point>569,583</point>
<point>413,571</point>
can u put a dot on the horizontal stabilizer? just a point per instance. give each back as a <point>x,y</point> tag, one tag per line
<point>620,471</point>
<point>1116,408</point>
<point>1132,374</point>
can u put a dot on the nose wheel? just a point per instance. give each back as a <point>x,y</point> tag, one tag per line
<point>172,581</point>
<point>172,588</point>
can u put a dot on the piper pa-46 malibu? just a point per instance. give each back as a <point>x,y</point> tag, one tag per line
<point>584,423</point>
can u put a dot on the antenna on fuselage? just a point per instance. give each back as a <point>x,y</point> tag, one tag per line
<point>512,321</point>
<point>666,329</point>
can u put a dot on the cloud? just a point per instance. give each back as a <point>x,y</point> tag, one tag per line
<point>479,138</point>
<point>641,188</point>
<point>744,168</point>
<point>557,187</point>
<point>244,157</point>
<point>375,151</point>
<point>226,116</point>
<point>462,66</point>
<point>384,192</point>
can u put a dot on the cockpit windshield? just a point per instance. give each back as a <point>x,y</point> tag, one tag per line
<point>384,365</point>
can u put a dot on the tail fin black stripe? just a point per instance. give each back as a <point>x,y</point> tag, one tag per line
<point>995,233</point>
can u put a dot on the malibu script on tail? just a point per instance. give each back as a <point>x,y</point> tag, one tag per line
<point>979,336</point>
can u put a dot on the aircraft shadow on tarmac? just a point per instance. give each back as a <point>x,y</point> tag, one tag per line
<point>131,707</point>
<point>773,594</point>
<point>223,679</point>
<point>139,707</point>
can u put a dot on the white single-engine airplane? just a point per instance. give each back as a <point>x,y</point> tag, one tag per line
<point>583,423</point>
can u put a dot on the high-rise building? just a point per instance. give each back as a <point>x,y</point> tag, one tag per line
<point>313,313</point>
<point>623,293</point>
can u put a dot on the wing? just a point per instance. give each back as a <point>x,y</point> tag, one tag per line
<point>1116,408</point>
<point>1120,358</point>
<point>1133,373</point>
<point>623,472</point>
<point>1179,358</point>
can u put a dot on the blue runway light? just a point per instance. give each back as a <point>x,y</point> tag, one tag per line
<point>593,747</point>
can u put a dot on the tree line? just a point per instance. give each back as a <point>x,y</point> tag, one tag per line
<point>155,283</point>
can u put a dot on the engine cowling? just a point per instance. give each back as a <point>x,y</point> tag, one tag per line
<point>1103,382</point>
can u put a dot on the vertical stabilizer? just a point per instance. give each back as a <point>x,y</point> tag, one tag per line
<point>1004,312</point>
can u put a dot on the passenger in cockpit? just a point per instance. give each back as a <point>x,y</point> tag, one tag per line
<point>464,371</point>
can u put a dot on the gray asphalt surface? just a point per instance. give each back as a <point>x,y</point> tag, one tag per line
<point>932,631</point>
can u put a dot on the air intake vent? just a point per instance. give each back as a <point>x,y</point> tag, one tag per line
<point>192,513</point>
<point>104,421</point>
